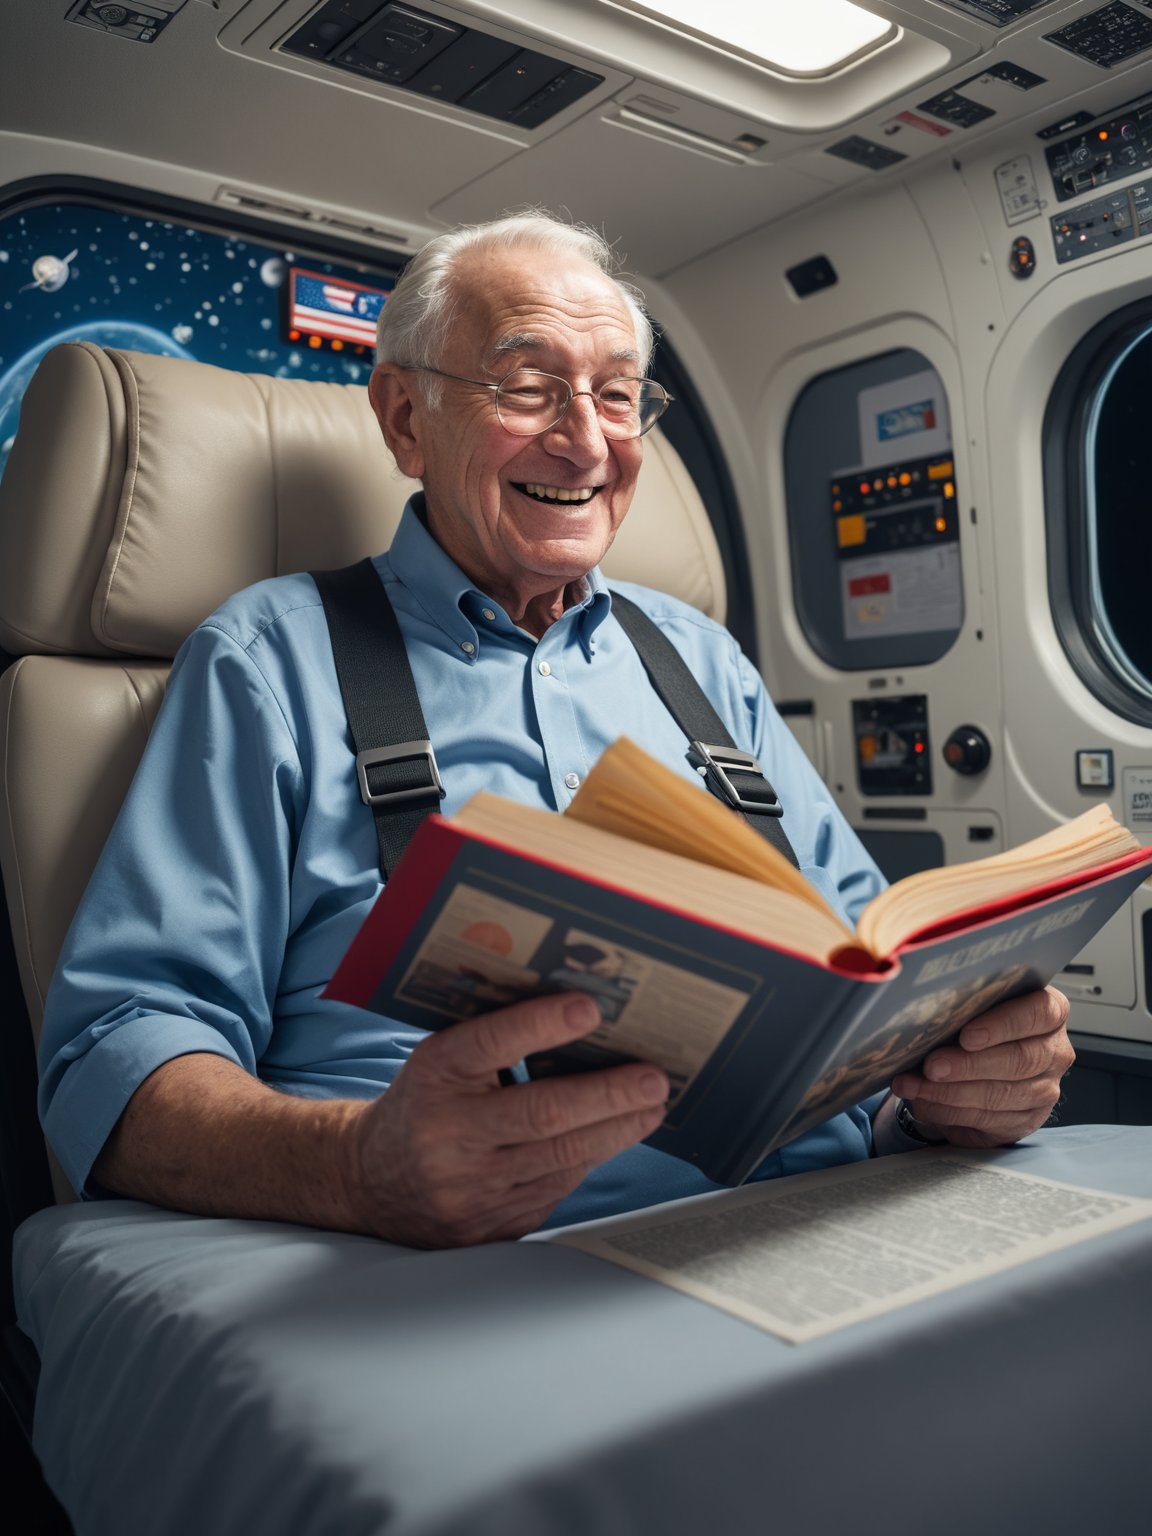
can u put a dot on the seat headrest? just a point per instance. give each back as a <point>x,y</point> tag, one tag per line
<point>141,491</point>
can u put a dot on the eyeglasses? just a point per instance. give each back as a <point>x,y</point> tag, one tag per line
<point>529,402</point>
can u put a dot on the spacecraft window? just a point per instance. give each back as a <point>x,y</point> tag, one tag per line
<point>91,269</point>
<point>1099,533</point>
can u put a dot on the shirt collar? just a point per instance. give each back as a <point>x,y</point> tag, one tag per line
<point>448,596</point>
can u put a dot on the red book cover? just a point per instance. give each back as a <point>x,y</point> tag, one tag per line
<point>759,1043</point>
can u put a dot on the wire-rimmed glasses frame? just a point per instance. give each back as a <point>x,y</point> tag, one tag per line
<point>526,406</point>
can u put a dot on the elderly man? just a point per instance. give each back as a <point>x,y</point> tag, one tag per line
<point>187,1058</point>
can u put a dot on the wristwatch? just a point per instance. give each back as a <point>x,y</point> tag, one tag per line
<point>907,1122</point>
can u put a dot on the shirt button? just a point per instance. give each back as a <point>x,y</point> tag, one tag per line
<point>467,647</point>
<point>488,614</point>
<point>544,669</point>
<point>572,780</point>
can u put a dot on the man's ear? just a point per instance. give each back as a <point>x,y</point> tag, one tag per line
<point>390,391</point>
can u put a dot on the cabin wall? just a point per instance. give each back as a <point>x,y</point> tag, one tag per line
<point>924,263</point>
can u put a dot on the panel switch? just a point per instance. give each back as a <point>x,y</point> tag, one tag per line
<point>967,750</point>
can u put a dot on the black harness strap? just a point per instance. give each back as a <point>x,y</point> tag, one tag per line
<point>395,764</point>
<point>733,776</point>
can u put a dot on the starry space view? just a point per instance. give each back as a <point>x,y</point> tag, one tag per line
<point>76,272</point>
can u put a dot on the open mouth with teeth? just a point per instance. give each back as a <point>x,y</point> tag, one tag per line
<point>556,495</point>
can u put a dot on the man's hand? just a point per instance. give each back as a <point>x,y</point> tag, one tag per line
<point>1001,1081</point>
<point>447,1156</point>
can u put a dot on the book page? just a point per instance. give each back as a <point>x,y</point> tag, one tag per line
<point>803,1256</point>
<point>758,911</point>
<point>1087,842</point>
<point>631,794</point>
<point>635,796</point>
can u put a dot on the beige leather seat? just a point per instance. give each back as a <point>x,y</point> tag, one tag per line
<point>140,492</point>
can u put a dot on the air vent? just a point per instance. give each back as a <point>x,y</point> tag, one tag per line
<point>401,47</point>
<point>268,207</point>
<point>738,152</point>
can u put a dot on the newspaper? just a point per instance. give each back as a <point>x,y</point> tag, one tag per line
<point>802,1256</point>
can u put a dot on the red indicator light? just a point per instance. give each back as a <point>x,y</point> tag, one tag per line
<point>919,747</point>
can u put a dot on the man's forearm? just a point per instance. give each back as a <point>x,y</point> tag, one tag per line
<point>446,1156</point>
<point>202,1135</point>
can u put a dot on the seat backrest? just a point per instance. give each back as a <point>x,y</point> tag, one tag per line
<point>140,492</point>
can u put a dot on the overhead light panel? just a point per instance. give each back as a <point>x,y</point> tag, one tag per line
<point>795,37</point>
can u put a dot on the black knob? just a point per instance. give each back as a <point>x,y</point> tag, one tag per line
<point>967,750</point>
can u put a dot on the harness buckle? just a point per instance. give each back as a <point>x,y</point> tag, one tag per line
<point>717,764</point>
<point>430,793</point>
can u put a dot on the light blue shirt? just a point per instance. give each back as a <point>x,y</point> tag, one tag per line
<point>244,861</point>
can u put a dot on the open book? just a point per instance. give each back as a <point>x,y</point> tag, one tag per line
<point>710,954</point>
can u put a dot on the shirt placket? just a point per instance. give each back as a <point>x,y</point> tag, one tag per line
<point>565,755</point>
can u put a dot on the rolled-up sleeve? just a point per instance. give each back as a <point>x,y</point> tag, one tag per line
<point>178,942</point>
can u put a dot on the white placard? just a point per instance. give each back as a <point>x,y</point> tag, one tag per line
<point>905,419</point>
<point>1138,800</point>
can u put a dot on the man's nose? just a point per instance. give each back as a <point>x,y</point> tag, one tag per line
<point>579,434</point>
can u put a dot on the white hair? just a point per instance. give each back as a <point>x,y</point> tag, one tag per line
<point>418,316</point>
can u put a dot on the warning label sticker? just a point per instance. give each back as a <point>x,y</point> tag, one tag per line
<point>1138,799</point>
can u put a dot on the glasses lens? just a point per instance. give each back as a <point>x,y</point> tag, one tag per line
<point>629,407</point>
<point>528,402</point>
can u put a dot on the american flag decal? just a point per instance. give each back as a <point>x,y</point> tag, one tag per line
<point>334,308</point>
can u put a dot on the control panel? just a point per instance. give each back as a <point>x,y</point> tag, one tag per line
<point>1001,13</point>
<point>399,46</point>
<point>891,737</point>
<point>1106,222</point>
<point>1105,152</point>
<point>1108,35</point>
<point>137,23</point>
<point>896,506</point>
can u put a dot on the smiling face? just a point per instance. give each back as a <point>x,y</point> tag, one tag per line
<point>522,516</point>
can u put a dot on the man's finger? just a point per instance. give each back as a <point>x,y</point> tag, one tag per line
<point>1034,1013</point>
<point>540,1111</point>
<point>580,1150</point>
<point>989,1127</point>
<point>962,1099</point>
<point>474,1050</point>
<point>1016,1061</point>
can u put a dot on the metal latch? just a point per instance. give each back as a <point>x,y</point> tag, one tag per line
<point>432,792</point>
<point>716,764</point>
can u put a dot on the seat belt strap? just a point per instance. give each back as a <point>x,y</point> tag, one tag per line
<point>733,776</point>
<point>395,764</point>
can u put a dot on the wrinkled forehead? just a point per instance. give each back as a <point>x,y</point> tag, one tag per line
<point>536,308</point>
